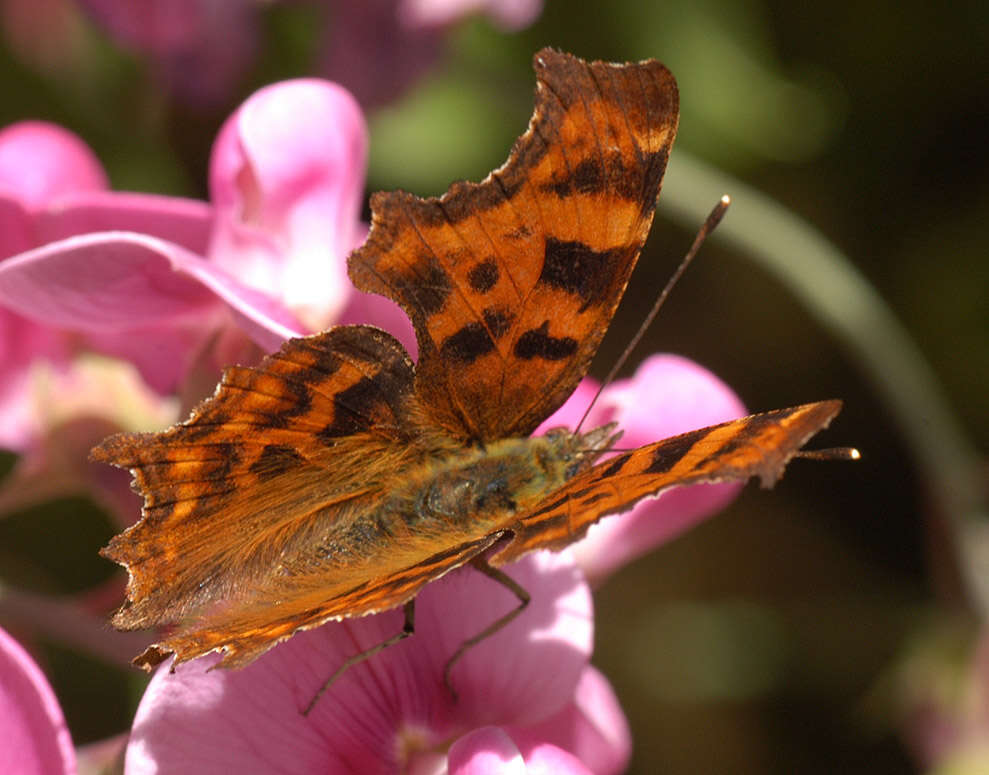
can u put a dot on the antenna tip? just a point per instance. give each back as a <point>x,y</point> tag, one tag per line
<point>714,217</point>
<point>834,453</point>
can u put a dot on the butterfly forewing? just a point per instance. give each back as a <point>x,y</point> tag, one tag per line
<point>759,445</point>
<point>511,283</point>
<point>306,437</point>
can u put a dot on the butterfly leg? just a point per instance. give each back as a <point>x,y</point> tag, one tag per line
<point>408,628</point>
<point>517,589</point>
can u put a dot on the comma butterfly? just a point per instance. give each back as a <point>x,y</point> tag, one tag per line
<point>337,478</point>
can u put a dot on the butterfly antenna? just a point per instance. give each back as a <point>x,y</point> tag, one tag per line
<point>712,220</point>
<point>833,453</point>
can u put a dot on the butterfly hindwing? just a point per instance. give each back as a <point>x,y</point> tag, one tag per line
<point>759,445</point>
<point>512,282</point>
<point>244,632</point>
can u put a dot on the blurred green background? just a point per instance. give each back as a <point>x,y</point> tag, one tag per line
<point>766,639</point>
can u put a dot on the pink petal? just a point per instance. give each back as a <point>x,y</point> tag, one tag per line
<point>101,282</point>
<point>287,178</point>
<point>41,161</point>
<point>570,414</point>
<point>527,671</point>
<point>667,395</point>
<point>18,425</point>
<point>186,222</point>
<point>592,728</point>
<point>21,343</point>
<point>113,281</point>
<point>16,226</point>
<point>490,751</point>
<point>33,734</point>
<point>249,720</point>
<point>507,14</point>
<point>547,759</point>
<point>485,751</point>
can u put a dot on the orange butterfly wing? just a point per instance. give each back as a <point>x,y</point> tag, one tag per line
<point>226,491</point>
<point>512,282</point>
<point>759,445</point>
<point>284,606</point>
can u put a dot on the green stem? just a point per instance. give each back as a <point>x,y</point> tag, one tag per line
<point>845,304</point>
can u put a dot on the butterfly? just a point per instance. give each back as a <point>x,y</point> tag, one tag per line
<point>337,478</point>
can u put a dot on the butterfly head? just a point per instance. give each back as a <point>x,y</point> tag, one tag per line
<point>579,451</point>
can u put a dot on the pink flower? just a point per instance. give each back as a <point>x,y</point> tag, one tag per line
<point>201,48</point>
<point>154,279</point>
<point>667,395</point>
<point>38,163</point>
<point>33,734</point>
<point>287,183</point>
<point>526,692</point>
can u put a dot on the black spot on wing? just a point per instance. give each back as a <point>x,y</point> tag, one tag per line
<point>355,407</point>
<point>577,269</point>
<point>275,459</point>
<point>611,467</point>
<point>590,178</point>
<point>468,344</point>
<point>426,290</point>
<point>537,343</point>
<point>672,451</point>
<point>477,339</point>
<point>638,183</point>
<point>227,456</point>
<point>483,276</point>
<point>298,386</point>
<point>743,437</point>
<point>632,188</point>
<point>594,176</point>
<point>462,201</point>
